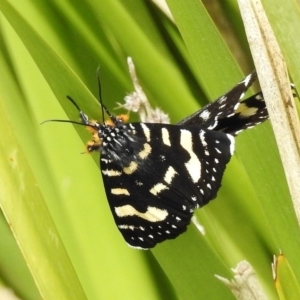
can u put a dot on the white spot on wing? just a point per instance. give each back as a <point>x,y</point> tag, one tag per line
<point>124,226</point>
<point>165,136</point>
<point>131,168</point>
<point>152,214</point>
<point>120,191</point>
<point>214,124</point>
<point>156,189</point>
<point>218,150</point>
<point>146,131</point>
<point>145,152</point>
<point>170,175</point>
<point>193,166</point>
<point>204,143</point>
<point>205,115</point>
<point>247,80</point>
<point>104,160</point>
<point>232,143</point>
<point>202,138</point>
<point>222,99</point>
<point>111,173</point>
<point>236,107</point>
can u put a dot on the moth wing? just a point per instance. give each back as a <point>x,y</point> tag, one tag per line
<point>182,171</point>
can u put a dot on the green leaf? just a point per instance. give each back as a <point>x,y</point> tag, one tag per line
<point>24,208</point>
<point>286,282</point>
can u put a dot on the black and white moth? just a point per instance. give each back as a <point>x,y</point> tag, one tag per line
<point>156,175</point>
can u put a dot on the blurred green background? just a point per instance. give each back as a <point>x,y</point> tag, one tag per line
<point>52,196</point>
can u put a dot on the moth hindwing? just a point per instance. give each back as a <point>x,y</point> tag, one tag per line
<point>228,114</point>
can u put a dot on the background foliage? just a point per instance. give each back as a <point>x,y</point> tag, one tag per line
<point>52,196</point>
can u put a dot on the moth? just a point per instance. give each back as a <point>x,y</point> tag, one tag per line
<point>156,175</point>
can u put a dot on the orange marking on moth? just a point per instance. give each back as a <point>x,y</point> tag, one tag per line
<point>96,141</point>
<point>124,118</point>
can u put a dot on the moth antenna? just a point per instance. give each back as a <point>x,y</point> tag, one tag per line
<point>63,121</point>
<point>74,103</point>
<point>83,117</point>
<point>103,107</point>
